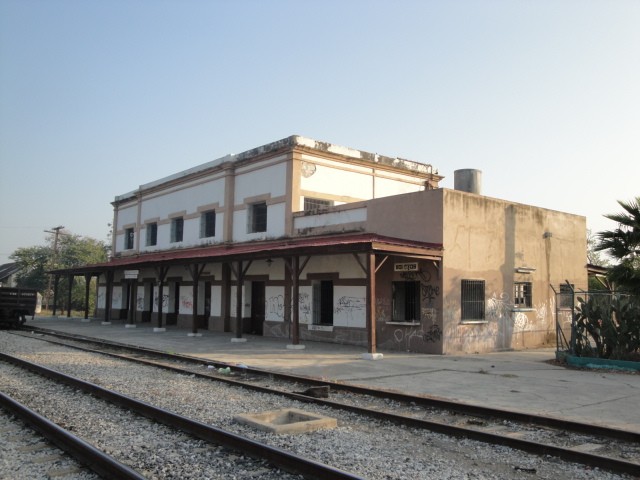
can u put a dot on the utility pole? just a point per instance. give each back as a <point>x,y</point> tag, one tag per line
<point>56,232</point>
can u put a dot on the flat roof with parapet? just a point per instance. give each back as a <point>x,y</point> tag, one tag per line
<point>291,142</point>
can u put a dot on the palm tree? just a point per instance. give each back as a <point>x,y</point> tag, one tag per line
<point>623,244</point>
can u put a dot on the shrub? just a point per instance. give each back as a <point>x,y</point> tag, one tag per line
<point>608,326</point>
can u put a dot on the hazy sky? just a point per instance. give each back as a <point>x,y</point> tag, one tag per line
<point>97,98</point>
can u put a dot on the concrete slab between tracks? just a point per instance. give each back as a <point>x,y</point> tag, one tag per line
<point>515,380</point>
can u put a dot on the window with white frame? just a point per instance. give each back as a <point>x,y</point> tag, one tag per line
<point>128,239</point>
<point>406,301</point>
<point>152,234</point>
<point>472,300</point>
<point>177,229</point>
<point>522,294</point>
<point>258,217</point>
<point>208,224</point>
<point>322,313</point>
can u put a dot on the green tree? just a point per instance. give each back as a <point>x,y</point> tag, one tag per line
<point>623,245</point>
<point>72,251</point>
<point>33,263</point>
<point>597,258</point>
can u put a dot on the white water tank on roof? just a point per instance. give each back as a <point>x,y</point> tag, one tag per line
<point>468,180</point>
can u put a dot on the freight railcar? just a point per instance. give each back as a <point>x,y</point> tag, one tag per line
<point>16,304</point>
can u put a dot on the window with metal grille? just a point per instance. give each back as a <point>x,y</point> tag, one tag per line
<point>258,217</point>
<point>177,229</point>
<point>522,294</point>
<point>316,204</point>
<point>128,238</point>
<point>565,297</point>
<point>152,234</point>
<point>406,301</point>
<point>472,300</point>
<point>323,302</point>
<point>208,224</point>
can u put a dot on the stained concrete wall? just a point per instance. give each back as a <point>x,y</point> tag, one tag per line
<point>501,243</point>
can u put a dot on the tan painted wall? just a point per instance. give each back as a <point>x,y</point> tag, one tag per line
<point>414,216</point>
<point>488,239</point>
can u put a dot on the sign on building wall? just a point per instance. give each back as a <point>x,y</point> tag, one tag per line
<point>131,274</point>
<point>405,267</point>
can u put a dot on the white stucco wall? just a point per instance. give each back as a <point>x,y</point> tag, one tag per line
<point>385,187</point>
<point>349,306</point>
<point>346,265</point>
<point>188,197</point>
<point>339,182</point>
<point>275,224</point>
<point>216,300</point>
<point>116,297</point>
<point>305,305</point>
<point>102,292</point>
<point>260,181</point>
<point>331,218</point>
<point>127,216</point>
<point>274,300</point>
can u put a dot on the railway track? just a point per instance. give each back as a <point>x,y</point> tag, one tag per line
<point>107,466</point>
<point>595,446</point>
<point>27,453</point>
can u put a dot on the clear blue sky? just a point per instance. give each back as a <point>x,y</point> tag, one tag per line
<point>97,98</point>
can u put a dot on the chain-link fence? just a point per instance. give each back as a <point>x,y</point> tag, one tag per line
<point>599,324</point>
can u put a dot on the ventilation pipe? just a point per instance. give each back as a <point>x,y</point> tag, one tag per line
<point>468,180</point>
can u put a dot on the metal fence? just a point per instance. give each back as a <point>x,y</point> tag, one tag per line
<point>574,338</point>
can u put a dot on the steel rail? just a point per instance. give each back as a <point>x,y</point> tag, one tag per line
<point>89,456</point>
<point>529,446</point>
<point>281,458</point>
<point>422,400</point>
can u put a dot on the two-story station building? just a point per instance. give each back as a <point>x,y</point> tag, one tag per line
<point>311,241</point>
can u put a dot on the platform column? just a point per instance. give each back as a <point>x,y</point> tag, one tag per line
<point>371,308</point>
<point>107,298</point>
<point>196,271</point>
<point>161,271</point>
<point>87,286</point>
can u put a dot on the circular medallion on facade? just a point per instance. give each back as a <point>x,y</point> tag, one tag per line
<point>308,169</point>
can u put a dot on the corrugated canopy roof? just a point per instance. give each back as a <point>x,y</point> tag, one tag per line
<point>347,243</point>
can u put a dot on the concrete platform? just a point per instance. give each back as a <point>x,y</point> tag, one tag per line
<point>518,380</point>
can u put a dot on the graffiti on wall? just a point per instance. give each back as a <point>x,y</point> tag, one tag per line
<point>274,306</point>
<point>504,326</point>
<point>428,292</point>
<point>383,307</point>
<point>304,303</point>
<point>349,305</point>
<point>407,335</point>
<point>186,304</point>
<point>165,300</point>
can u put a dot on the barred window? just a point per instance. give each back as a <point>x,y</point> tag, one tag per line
<point>565,297</point>
<point>472,300</point>
<point>316,204</point>
<point>152,234</point>
<point>128,238</point>
<point>522,294</point>
<point>406,301</point>
<point>258,217</point>
<point>208,224</point>
<point>177,229</point>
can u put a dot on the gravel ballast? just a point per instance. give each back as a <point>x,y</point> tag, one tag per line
<point>371,449</point>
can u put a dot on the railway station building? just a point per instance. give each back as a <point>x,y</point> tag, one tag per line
<point>310,241</point>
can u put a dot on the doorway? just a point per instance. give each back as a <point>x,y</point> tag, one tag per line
<point>257,307</point>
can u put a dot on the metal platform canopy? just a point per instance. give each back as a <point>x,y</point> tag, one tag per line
<point>370,250</point>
